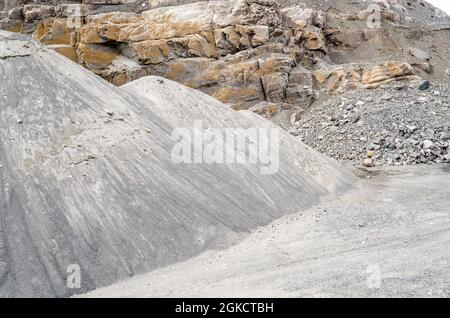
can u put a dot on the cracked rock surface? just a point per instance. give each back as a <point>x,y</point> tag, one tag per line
<point>275,58</point>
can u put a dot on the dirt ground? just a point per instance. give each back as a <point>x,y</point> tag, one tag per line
<point>388,238</point>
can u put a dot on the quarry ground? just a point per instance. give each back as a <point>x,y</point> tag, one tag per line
<point>389,237</point>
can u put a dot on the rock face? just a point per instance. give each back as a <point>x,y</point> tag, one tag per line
<point>87,177</point>
<point>353,76</point>
<point>273,57</point>
<point>239,52</point>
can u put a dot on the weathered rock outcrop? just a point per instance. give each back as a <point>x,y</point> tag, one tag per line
<point>342,78</point>
<point>274,57</point>
<point>240,52</point>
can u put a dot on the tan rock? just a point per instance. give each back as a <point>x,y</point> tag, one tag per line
<point>237,80</point>
<point>265,109</point>
<point>38,12</point>
<point>153,51</point>
<point>239,37</point>
<point>55,32</point>
<point>66,50</point>
<point>423,66</point>
<point>274,76</point>
<point>313,39</point>
<point>258,34</point>
<point>245,12</point>
<point>163,50</point>
<point>385,72</point>
<point>304,17</point>
<point>343,78</point>
<point>96,57</point>
<point>201,45</point>
<point>237,96</point>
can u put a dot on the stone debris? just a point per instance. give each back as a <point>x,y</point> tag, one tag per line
<point>424,85</point>
<point>411,127</point>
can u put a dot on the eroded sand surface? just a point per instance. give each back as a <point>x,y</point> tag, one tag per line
<point>87,176</point>
<point>396,223</point>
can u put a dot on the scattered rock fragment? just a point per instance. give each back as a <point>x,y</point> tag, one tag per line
<point>428,144</point>
<point>445,136</point>
<point>369,163</point>
<point>294,132</point>
<point>419,54</point>
<point>411,128</point>
<point>424,85</point>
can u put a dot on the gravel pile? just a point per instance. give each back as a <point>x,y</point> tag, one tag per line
<point>399,125</point>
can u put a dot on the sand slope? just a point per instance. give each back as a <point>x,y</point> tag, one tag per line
<point>86,177</point>
<point>388,238</point>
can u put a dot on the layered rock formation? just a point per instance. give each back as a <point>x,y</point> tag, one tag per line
<point>273,57</point>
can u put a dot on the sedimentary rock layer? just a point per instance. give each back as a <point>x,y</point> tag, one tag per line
<point>262,55</point>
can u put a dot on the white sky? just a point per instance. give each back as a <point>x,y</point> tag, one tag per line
<point>441,4</point>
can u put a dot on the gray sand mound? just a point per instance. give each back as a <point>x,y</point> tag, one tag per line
<point>86,176</point>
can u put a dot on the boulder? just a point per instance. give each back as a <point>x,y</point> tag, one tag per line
<point>419,54</point>
<point>347,77</point>
<point>385,73</point>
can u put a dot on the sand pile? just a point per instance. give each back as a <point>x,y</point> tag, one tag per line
<point>87,177</point>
